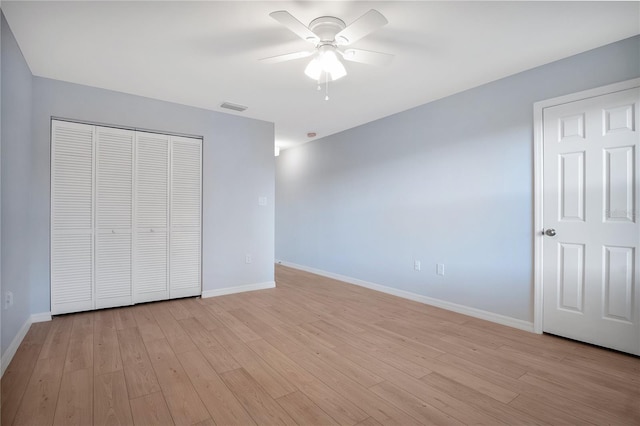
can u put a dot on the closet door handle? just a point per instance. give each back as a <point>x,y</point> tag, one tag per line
<point>113,231</point>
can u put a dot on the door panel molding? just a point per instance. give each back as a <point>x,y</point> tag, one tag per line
<point>617,120</point>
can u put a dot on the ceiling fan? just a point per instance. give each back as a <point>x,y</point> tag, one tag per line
<point>331,36</point>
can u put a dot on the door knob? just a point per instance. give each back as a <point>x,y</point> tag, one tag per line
<point>550,232</point>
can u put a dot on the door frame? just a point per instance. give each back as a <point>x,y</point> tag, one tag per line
<point>538,167</point>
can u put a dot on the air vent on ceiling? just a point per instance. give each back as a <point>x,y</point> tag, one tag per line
<point>235,107</point>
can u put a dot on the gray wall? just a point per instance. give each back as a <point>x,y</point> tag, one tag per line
<point>447,182</point>
<point>16,176</point>
<point>238,168</point>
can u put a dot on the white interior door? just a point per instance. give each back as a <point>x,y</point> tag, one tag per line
<point>114,210</point>
<point>185,213</point>
<point>72,147</point>
<point>151,217</point>
<point>590,251</point>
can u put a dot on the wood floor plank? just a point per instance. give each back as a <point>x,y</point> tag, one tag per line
<point>547,394</point>
<point>243,332</point>
<point>80,351</point>
<point>546,412</point>
<point>566,375</point>
<point>263,408</point>
<point>57,341</point>
<point>413,405</point>
<point>282,364</point>
<point>369,421</point>
<point>630,373</point>
<point>222,404</point>
<point>220,359</point>
<point>273,382</point>
<point>281,341</point>
<point>82,327</point>
<point>124,318</point>
<point>182,399</point>
<point>303,337</point>
<point>16,378</point>
<point>329,400</point>
<point>381,352</point>
<point>75,400</point>
<point>353,392</point>
<point>159,350</point>
<point>440,400</point>
<point>215,353</point>
<point>111,400</point>
<point>179,311</point>
<point>349,368</point>
<point>584,399</point>
<point>41,395</point>
<point>106,350</point>
<point>249,320</point>
<point>204,316</point>
<point>262,314</point>
<point>173,331</point>
<point>502,412</point>
<point>206,422</point>
<point>303,410</point>
<point>38,332</point>
<point>151,410</point>
<point>147,324</point>
<point>200,336</point>
<point>140,377</point>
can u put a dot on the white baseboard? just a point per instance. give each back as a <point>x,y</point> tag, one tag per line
<point>8,354</point>
<point>238,289</point>
<point>41,317</point>
<point>461,309</point>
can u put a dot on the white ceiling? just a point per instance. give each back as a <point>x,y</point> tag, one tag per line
<point>205,53</point>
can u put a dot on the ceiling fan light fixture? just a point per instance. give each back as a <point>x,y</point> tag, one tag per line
<point>326,64</point>
<point>314,69</point>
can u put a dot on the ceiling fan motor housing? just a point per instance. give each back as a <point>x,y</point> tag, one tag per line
<point>326,28</point>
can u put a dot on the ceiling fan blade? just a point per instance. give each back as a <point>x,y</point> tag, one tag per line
<point>286,57</point>
<point>286,19</point>
<point>367,57</point>
<point>364,25</point>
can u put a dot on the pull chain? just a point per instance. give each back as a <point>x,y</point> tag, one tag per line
<point>326,97</point>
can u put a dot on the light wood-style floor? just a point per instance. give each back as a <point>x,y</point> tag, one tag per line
<point>313,351</point>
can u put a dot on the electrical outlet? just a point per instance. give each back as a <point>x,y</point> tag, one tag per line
<point>440,269</point>
<point>416,265</point>
<point>8,300</point>
<point>248,259</point>
<point>262,201</point>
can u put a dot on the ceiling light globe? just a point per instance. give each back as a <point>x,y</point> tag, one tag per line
<point>314,69</point>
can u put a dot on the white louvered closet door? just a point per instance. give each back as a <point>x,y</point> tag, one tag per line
<point>151,218</point>
<point>72,155</point>
<point>114,208</point>
<point>185,214</point>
